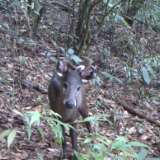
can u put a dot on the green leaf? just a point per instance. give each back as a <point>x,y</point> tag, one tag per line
<point>43,54</point>
<point>54,113</point>
<point>107,75</point>
<point>30,41</point>
<point>138,144</point>
<point>110,4</point>
<point>117,145</point>
<point>89,139</point>
<point>35,117</point>
<point>105,138</point>
<point>122,139</point>
<point>6,82</point>
<point>27,119</point>
<point>77,155</point>
<point>59,141</point>
<point>25,59</point>
<point>49,54</point>
<point>29,131</point>
<point>142,154</point>
<point>118,80</point>
<point>36,12</point>
<point>145,75</point>
<point>41,157</point>
<point>153,159</point>
<point>38,122</point>
<point>11,137</point>
<point>21,40</point>
<point>30,113</point>
<point>32,5</point>
<point>102,141</point>
<point>90,60</point>
<point>70,51</point>
<point>24,6</point>
<point>53,59</point>
<point>129,152</point>
<point>105,100</point>
<point>76,59</point>
<point>57,131</point>
<point>109,153</point>
<point>40,98</point>
<point>152,72</point>
<point>41,132</point>
<point>6,25</point>
<point>3,69</point>
<point>143,41</point>
<point>46,61</point>
<point>4,133</point>
<point>97,117</point>
<point>62,49</point>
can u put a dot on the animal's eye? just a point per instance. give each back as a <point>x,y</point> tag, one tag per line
<point>65,85</point>
<point>78,88</point>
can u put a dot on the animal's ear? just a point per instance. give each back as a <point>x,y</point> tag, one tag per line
<point>62,66</point>
<point>79,69</point>
<point>87,73</point>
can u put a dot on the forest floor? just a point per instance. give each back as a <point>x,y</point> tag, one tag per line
<point>24,82</point>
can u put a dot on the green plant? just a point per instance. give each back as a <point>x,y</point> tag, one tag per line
<point>34,12</point>
<point>71,56</point>
<point>96,80</point>
<point>105,148</point>
<point>53,122</point>
<point>111,77</point>
<point>11,135</point>
<point>144,70</point>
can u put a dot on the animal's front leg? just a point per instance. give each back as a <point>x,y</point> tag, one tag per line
<point>64,146</point>
<point>84,112</point>
<point>73,134</point>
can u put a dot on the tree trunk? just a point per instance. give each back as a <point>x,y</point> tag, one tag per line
<point>132,10</point>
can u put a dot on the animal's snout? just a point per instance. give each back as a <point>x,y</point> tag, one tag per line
<point>70,104</point>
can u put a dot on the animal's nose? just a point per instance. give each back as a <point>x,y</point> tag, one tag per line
<point>70,104</point>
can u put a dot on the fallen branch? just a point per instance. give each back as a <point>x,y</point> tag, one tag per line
<point>132,111</point>
<point>61,6</point>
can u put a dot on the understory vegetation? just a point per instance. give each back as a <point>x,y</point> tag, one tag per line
<point>120,38</point>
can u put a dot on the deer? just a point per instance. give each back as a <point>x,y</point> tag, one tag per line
<point>67,97</point>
